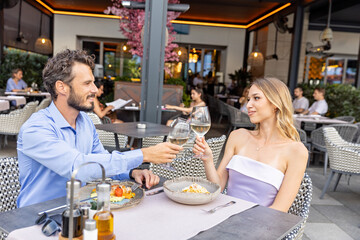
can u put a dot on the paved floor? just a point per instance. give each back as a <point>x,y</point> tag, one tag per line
<point>337,216</point>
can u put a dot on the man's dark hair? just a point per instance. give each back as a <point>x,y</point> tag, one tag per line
<point>300,88</point>
<point>15,71</point>
<point>320,89</point>
<point>199,91</point>
<point>98,84</point>
<point>60,67</point>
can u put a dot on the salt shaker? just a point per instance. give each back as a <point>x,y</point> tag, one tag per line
<point>90,231</point>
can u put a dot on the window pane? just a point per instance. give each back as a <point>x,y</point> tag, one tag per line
<point>335,70</point>
<point>350,72</point>
<point>92,48</point>
<point>110,65</point>
<point>195,60</point>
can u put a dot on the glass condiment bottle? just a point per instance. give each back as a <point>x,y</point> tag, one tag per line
<point>90,231</point>
<point>104,218</point>
<point>85,211</point>
<point>77,215</point>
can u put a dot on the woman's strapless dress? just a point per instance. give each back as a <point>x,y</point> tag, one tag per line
<point>253,181</point>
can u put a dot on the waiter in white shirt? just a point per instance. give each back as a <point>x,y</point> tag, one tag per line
<point>300,103</point>
<point>320,106</point>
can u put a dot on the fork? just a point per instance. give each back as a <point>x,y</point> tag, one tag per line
<point>134,187</point>
<point>220,206</point>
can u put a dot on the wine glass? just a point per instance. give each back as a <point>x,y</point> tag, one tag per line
<point>200,122</point>
<point>178,135</point>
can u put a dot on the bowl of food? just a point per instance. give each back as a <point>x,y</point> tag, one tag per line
<point>191,190</point>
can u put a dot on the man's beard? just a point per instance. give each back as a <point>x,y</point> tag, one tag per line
<point>74,101</point>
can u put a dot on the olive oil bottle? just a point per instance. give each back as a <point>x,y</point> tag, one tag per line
<point>104,218</point>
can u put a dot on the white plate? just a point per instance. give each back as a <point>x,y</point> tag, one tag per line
<point>173,189</point>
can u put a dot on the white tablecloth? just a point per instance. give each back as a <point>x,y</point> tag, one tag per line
<point>158,217</point>
<point>18,99</point>
<point>314,119</point>
<point>4,105</point>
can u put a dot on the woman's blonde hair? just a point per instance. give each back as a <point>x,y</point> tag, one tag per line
<point>278,94</point>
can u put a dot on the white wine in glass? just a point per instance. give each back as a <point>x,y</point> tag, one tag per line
<point>200,129</point>
<point>200,121</point>
<point>178,135</point>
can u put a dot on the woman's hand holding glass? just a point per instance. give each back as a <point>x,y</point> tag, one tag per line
<point>200,122</point>
<point>201,148</point>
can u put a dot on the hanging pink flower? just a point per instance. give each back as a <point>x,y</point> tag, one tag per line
<point>131,24</point>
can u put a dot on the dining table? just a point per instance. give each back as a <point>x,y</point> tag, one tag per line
<point>29,94</point>
<point>158,217</point>
<point>4,105</point>
<point>18,100</point>
<point>317,119</point>
<point>132,130</point>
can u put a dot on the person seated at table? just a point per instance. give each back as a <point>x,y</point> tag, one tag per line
<point>15,83</point>
<point>100,109</point>
<point>197,96</point>
<point>198,82</point>
<point>266,165</point>
<point>231,87</point>
<point>320,106</point>
<point>243,100</point>
<point>55,141</point>
<point>300,103</point>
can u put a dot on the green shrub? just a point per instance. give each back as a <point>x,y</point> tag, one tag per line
<point>31,64</point>
<point>122,79</point>
<point>342,99</point>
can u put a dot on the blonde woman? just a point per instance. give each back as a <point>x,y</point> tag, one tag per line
<point>266,165</point>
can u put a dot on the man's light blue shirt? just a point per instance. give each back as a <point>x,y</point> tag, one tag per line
<point>10,85</point>
<point>49,149</point>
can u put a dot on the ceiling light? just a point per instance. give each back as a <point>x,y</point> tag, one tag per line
<point>43,44</point>
<point>256,58</point>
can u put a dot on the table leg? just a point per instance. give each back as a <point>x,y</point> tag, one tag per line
<point>131,142</point>
<point>134,116</point>
<point>117,145</point>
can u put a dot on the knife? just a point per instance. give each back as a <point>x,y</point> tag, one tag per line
<point>155,192</point>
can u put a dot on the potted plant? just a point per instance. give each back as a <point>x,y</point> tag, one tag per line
<point>242,78</point>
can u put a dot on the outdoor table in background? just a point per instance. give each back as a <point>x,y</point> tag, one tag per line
<point>232,101</point>
<point>298,119</point>
<point>29,94</point>
<point>129,129</point>
<point>4,105</point>
<point>19,100</point>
